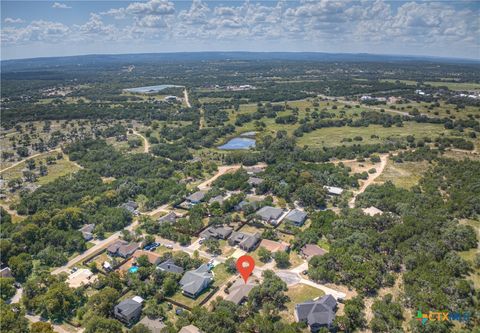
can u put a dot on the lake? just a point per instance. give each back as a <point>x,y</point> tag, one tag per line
<point>151,89</point>
<point>238,143</point>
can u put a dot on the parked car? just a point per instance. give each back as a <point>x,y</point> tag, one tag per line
<point>169,246</point>
<point>151,246</point>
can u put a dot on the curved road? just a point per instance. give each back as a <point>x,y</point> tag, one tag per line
<point>146,144</point>
<point>29,158</point>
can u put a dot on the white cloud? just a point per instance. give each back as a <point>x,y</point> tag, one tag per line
<point>10,20</point>
<point>60,5</point>
<point>44,31</point>
<point>410,25</point>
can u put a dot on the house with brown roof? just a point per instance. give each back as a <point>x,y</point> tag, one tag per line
<point>274,246</point>
<point>190,329</point>
<point>311,250</point>
<point>152,257</point>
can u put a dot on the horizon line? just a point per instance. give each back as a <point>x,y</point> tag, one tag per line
<point>252,52</point>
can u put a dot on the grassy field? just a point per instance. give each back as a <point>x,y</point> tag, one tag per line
<point>455,85</point>
<point>450,85</point>
<point>61,168</point>
<point>332,136</point>
<point>404,175</point>
<point>443,110</point>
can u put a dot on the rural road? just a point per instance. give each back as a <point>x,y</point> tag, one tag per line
<point>370,180</point>
<point>146,144</point>
<point>185,95</point>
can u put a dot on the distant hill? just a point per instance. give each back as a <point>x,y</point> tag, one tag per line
<point>33,63</point>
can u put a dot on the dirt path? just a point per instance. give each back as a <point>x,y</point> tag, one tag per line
<point>185,95</point>
<point>221,171</point>
<point>146,144</point>
<point>370,180</point>
<point>29,158</point>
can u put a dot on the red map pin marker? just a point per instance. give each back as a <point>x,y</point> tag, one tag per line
<point>245,265</point>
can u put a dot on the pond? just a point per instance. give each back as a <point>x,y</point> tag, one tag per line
<point>238,143</point>
<point>151,89</point>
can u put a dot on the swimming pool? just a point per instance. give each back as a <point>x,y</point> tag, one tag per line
<point>238,143</point>
<point>133,269</point>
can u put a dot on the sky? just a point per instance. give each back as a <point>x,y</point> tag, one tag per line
<point>49,28</point>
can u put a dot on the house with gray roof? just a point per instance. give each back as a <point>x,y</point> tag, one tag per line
<point>239,290</point>
<point>297,217</point>
<point>246,242</point>
<point>122,248</point>
<point>131,206</point>
<point>196,281</point>
<point>254,181</point>
<point>332,190</point>
<point>270,214</point>
<point>169,218</point>
<point>87,231</point>
<point>154,325</point>
<point>129,310</point>
<point>218,199</point>
<point>317,314</point>
<point>216,233</point>
<point>169,266</point>
<point>196,198</point>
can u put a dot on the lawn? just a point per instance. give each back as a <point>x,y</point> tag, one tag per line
<point>220,275</point>
<point>190,302</point>
<point>332,136</point>
<point>406,174</point>
<point>300,293</point>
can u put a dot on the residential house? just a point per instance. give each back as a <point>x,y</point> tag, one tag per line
<point>253,170</point>
<point>154,325</point>
<point>239,290</point>
<point>152,257</point>
<point>218,199</point>
<point>6,272</point>
<point>270,214</point>
<point>87,231</point>
<point>169,266</point>
<point>254,181</point>
<point>311,250</point>
<point>332,190</point>
<point>129,310</point>
<point>297,217</point>
<point>216,233</point>
<point>244,203</point>
<point>317,314</point>
<point>274,246</point>
<point>372,211</point>
<point>190,329</point>
<point>196,198</point>
<point>246,242</point>
<point>122,248</point>
<point>196,281</point>
<point>131,206</point>
<point>169,218</point>
<point>81,277</point>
